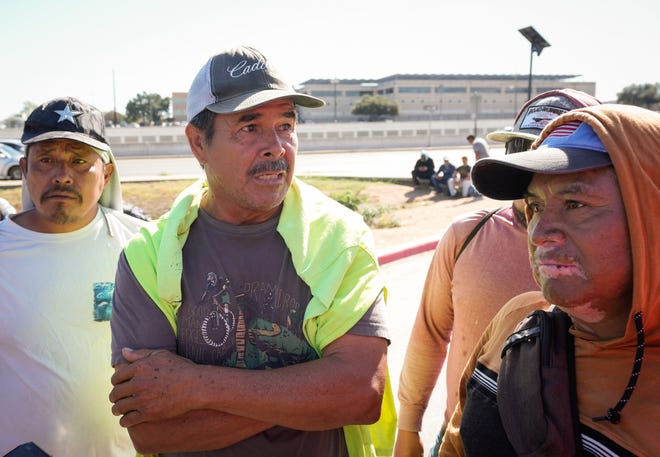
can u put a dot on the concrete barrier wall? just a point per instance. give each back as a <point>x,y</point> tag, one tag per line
<point>156,141</point>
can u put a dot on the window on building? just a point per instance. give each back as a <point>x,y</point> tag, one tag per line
<point>455,89</point>
<point>486,90</point>
<point>325,93</point>
<point>414,90</point>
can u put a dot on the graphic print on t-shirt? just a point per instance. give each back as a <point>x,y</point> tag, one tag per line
<point>102,306</point>
<point>258,327</point>
<point>219,324</point>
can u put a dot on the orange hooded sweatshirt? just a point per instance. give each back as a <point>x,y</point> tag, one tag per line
<point>631,136</point>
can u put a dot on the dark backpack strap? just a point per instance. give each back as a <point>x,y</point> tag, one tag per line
<point>536,387</point>
<point>475,230</point>
<point>572,392</point>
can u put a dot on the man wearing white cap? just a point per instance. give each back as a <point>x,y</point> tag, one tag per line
<point>480,263</point>
<point>249,320</point>
<point>58,259</point>
<point>573,369</point>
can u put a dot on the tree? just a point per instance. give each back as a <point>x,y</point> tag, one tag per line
<point>375,107</point>
<point>644,95</point>
<point>114,117</point>
<point>28,107</point>
<point>147,108</point>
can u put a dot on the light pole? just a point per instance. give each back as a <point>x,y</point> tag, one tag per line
<point>514,89</point>
<point>476,97</point>
<point>114,100</point>
<point>538,43</point>
<point>334,83</point>
<point>431,109</point>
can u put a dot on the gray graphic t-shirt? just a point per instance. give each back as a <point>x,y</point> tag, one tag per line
<point>243,306</point>
<point>243,301</point>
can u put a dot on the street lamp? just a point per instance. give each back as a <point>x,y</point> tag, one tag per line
<point>477,98</point>
<point>431,109</point>
<point>514,89</point>
<point>335,82</point>
<point>538,43</point>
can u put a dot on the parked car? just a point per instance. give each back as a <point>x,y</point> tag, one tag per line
<point>16,144</point>
<point>9,168</point>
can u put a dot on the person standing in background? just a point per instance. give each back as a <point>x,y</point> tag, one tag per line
<point>479,146</point>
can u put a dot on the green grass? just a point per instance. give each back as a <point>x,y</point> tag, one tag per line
<point>156,197</point>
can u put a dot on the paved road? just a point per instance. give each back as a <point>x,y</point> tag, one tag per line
<point>364,164</point>
<point>370,164</point>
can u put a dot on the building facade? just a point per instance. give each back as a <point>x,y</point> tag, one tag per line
<point>425,97</point>
<point>438,97</point>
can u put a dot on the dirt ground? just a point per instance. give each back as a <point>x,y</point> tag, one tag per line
<point>421,213</point>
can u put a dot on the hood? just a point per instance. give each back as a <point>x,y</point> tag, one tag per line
<point>631,136</point>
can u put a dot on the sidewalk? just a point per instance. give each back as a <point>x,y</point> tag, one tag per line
<point>405,280</point>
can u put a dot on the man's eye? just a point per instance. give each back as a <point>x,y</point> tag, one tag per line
<point>249,128</point>
<point>535,207</point>
<point>572,204</point>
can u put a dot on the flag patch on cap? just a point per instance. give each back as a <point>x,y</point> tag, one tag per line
<point>565,129</point>
<point>573,134</point>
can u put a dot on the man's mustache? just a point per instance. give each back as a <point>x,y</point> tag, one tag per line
<point>269,167</point>
<point>59,190</point>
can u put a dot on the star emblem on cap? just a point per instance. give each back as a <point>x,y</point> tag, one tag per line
<point>67,114</point>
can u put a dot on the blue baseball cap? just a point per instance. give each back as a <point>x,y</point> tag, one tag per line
<point>569,148</point>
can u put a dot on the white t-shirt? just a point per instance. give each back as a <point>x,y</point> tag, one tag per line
<point>55,302</point>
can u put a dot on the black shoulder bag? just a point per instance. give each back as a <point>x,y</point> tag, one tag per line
<point>536,394</point>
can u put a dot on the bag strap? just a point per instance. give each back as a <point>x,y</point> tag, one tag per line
<point>475,230</point>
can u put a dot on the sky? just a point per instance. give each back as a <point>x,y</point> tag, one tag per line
<point>107,52</point>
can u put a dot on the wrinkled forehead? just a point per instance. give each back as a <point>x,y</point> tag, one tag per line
<point>67,145</point>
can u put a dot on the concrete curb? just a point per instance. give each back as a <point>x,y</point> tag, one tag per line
<point>400,252</point>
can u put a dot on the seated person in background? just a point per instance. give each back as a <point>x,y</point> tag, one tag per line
<point>424,169</point>
<point>461,179</point>
<point>440,180</point>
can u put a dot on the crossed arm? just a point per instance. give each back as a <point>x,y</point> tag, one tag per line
<point>164,399</point>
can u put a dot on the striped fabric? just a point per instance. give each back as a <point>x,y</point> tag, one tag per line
<point>565,129</point>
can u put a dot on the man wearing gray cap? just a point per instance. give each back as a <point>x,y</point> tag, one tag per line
<point>58,258</point>
<point>249,320</point>
<point>573,369</point>
<point>480,263</point>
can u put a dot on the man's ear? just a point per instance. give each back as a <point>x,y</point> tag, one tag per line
<point>22,162</point>
<point>197,143</point>
<point>108,170</point>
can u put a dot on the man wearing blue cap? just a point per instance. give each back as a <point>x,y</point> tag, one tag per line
<point>573,369</point>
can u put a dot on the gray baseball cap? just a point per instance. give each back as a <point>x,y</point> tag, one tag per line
<point>239,79</point>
